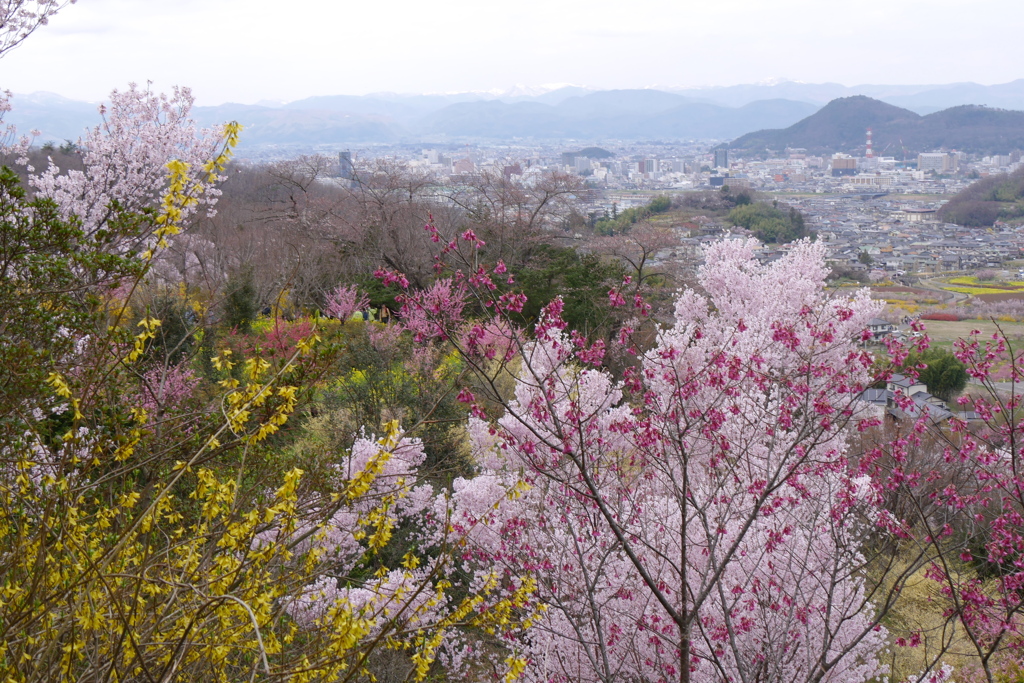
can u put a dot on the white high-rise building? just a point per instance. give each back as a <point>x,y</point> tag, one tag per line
<point>940,162</point>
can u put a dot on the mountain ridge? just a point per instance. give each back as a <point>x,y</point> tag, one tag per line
<point>841,125</point>
<point>565,111</point>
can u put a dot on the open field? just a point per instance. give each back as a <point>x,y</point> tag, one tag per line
<point>1000,296</point>
<point>1004,292</point>
<point>907,300</point>
<point>943,333</point>
<point>968,284</point>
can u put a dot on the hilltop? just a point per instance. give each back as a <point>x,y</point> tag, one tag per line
<point>840,126</point>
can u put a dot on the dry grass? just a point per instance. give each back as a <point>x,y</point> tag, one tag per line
<point>942,331</point>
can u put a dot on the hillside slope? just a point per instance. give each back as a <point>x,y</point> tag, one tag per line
<point>998,197</point>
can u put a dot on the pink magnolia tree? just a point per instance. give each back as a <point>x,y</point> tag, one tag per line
<point>698,521</point>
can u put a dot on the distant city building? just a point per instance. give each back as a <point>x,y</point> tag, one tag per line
<point>871,180</point>
<point>345,169</point>
<point>721,158</point>
<point>737,183</point>
<point>514,169</point>
<point>940,162</point>
<point>885,163</point>
<point>919,215</point>
<point>843,165</point>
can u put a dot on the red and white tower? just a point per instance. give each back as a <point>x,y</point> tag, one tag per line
<point>870,153</point>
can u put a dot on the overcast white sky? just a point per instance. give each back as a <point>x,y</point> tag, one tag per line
<point>251,50</point>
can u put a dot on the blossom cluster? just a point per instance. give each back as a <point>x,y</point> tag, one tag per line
<point>699,495</point>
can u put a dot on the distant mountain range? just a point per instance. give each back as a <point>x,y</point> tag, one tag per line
<point>841,125</point>
<point>566,112</point>
<point>609,114</point>
<point>921,99</point>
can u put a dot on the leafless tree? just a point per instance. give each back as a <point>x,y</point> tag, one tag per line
<point>392,204</point>
<point>512,214</point>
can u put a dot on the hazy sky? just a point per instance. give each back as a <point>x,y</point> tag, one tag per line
<point>251,50</point>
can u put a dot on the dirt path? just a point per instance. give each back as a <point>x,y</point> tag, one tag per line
<point>955,297</point>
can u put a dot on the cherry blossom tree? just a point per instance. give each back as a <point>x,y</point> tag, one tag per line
<point>699,519</point>
<point>20,18</point>
<point>126,160</point>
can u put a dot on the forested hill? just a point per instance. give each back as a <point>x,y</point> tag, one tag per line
<point>840,126</point>
<point>998,197</point>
